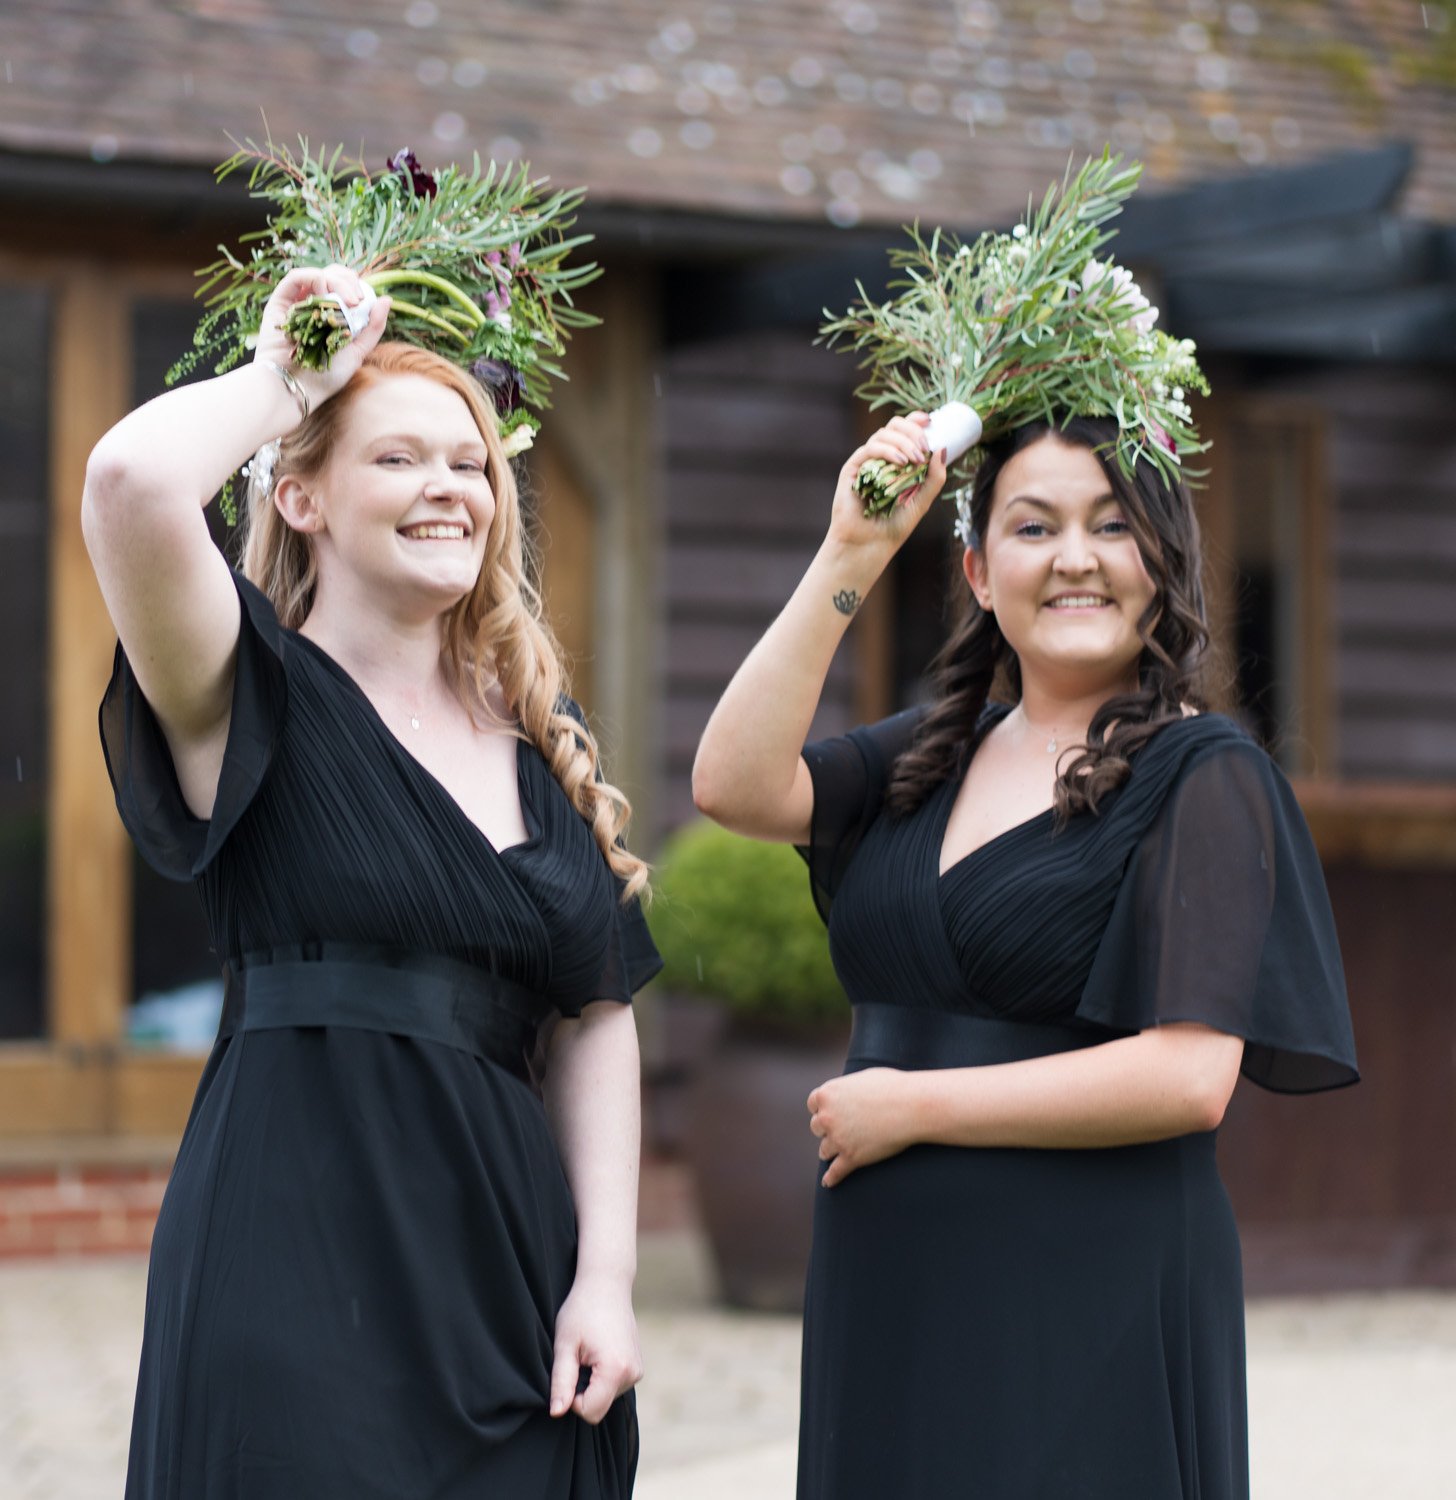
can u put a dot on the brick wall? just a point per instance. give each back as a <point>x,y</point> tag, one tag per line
<point>78,1210</point>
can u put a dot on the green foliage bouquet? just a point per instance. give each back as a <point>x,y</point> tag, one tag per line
<point>734,919</point>
<point>1018,327</point>
<point>475,262</point>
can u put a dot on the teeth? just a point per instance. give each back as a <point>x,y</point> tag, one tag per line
<point>436,533</point>
<point>1078,601</point>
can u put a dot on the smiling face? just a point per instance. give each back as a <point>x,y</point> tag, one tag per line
<point>1060,569</point>
<point>400,512</point>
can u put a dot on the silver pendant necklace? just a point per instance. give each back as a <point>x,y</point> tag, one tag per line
<point>414,721</point>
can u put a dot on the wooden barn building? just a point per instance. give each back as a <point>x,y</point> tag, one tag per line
<point>746,164</point>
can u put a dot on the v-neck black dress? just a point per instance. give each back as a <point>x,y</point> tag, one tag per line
<point>368,1231</point>
<point>1053,1324</point>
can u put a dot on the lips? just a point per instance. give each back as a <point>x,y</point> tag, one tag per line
<point>1079,601</point>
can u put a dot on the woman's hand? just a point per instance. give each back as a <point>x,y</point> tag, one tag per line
<point>860,1118</point>
<point>900,441</point>
<point>595,1330</point>
<point>276,347</point>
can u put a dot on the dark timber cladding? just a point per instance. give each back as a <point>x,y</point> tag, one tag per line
<point>1392,469</point>
<point>755,429</point>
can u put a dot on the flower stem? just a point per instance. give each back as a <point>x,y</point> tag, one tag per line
<point>409,309</point>
<point>382,280</point>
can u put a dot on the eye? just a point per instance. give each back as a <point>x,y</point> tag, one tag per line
<point>394,459</point>
<point>471,466</point>
<point>1115,527</point>
<point>1031,529</point>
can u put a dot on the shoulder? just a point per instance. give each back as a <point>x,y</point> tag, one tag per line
<point>883,740</point>
<point>1209,759</point>
<point>260,615</point>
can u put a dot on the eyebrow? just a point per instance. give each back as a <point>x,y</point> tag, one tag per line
<point>413,438</point>
<point>1108,499</point>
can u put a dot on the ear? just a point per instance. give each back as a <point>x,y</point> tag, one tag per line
<point>297,505</point>
<point>973,564</point>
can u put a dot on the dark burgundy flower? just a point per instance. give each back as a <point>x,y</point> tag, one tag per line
<point>421,183</point>
<point>505,383</point>
<point>1160,435</point>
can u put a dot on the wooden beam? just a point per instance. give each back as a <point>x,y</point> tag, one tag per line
<point>151,1092</point>
<point>1382,825</point>
<point>50,1091</point>
<point>567,526</point>
<point>88,918</point>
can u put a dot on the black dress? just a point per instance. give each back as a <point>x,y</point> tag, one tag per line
<point>368,1231</point>
<point>1053,1324</point>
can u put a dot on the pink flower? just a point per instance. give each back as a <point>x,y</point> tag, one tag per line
<point>1160,435</point>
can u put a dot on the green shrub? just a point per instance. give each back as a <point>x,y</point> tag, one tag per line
<point>733,918</point>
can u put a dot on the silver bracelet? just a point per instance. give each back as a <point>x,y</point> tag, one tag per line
<point>291,382</point>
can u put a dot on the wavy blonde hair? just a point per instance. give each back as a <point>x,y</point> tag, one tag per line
<point>497,630</point>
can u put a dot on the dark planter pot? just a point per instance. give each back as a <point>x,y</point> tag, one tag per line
<point>754,1161</point>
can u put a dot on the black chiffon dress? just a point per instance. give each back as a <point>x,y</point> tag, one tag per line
<point>368,1231</point>
<point>1052,1324</point>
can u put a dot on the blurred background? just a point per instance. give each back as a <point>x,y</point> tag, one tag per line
<point>747,164</point>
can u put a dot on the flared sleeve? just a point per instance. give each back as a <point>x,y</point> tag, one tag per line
<point>849,774</point>
<point>1223,918</point>
<point>632,957</point>
<point>171,839</point>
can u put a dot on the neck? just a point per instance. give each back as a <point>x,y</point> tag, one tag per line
<point>396,653</point>
<point>1067,710</point>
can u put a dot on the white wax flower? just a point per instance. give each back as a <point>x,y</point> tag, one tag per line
<point>518,441</point>
<point>1125,292</point>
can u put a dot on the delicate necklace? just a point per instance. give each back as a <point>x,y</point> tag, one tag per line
<point>414,721</point>
<point>1051,744</point>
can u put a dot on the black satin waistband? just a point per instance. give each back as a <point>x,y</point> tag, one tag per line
<point>423,995</point>
<point>903,1036</point>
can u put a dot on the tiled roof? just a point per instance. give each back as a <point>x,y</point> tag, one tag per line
<point>854,110</point>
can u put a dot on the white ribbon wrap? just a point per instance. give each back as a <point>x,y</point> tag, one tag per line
<point>357,316</point>
<point>954,427</point>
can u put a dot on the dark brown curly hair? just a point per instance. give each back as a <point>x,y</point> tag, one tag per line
<point>1173,669</point>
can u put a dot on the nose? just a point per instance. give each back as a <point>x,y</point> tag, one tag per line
<point>1075,554</point>
<point>442,484</point>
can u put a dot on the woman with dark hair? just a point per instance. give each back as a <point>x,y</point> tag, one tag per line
<point>1069,905</point>
<point>393,1261</point>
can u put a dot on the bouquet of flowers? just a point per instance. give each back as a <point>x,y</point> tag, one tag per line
<point>1014,327</point>
<point>476,264</point>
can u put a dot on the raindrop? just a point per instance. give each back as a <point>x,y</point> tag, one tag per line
<point>845,184</point>
<point>737,100</point>
<point>1034,76</point>
<point>698,135</point>
<point>1213,71</point>
<point>926,99</point>
<point>9,78</point>
<point>1127,135</point>
<point>861,19</point>
<point>104,147</point>
<point>1224,128</point>
<point>18,775</point>
<point>432,71</point>
<point>898,181</point>
<point>870,162</point>
<point>797,179</point>
<point>678,36</point>
<point>770,91</point>
<point>1254,149</point>
<point>469,73</point>
<point>944,62</point>
<point>693,99</point>
<point>1244,19</point>
<point>1286,132</point>
<point>1192,37</point>
<point>657,384</point>
<point>587,91</point>
<point>843,213</point>
<point>635,78</point>
<point>1130,103</point>
<point>925,163</point>
<point>1080,63</point>
<point>422,13</point>
<point>644,142</point>
<point>699,958</point>
<point>997,73</point>
<point>1051,131</point>
<point>851,87</point>
<point>828,140</point>
<point>1076,94</point>
<point>449,126</point>
<point>796,147</point>
<point>806,72</point>
<point>1375,341</point>
<point>505,148</point>
<point>889,92</point>
<point>721,77</point>
<point>362,43</point>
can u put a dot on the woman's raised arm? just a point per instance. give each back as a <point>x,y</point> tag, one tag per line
<point>749,774</point>
<point>165,584</point>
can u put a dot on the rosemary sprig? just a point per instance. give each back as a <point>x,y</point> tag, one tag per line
<point>1022,326</point>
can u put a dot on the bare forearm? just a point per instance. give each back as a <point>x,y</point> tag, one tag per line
<point>749,754</point>
<point>593,1093</point>
<point>1158,1084</point>
<point>179,448</point>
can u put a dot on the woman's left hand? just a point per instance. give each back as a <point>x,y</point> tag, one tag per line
<point>859,1118</point>
<point>595,1330</point>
